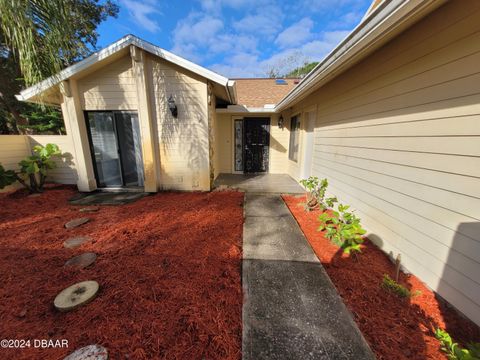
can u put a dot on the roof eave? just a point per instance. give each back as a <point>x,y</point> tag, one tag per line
<point>33,91</point>
<point>375,27</point>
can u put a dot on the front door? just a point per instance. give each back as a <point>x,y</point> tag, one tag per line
<point>116,148</point>
<point>256,140</point>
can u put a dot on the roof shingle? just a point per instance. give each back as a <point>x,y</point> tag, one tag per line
<point>261,91</point>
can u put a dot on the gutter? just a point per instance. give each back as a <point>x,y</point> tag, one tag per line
<point>376,27</point>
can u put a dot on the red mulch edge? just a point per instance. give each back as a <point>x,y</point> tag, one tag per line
<point>169,269</point>
<point>395,328</point>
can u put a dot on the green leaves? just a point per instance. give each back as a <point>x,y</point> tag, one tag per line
<point>33,168</point>
<point>316,189</point>
<point>389,284</point>
<point>7,177</point>
<point>454,351</point>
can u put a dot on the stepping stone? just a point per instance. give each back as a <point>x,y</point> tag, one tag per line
<point>76,295</point>
<point>76,222</point>
<point>90,352</point>
<point>82,261</point>
<point>90,209</point>
<point>76,241</point>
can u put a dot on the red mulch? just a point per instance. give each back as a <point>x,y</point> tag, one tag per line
<point>168,265</point>
<point>395,328</point>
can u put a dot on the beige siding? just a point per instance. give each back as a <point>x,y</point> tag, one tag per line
<point>183,141</point>
<point>398,137</point>
<point>223,139</point>
<point>109,88</point>
<point>279,139</point>
<point>14,148</point>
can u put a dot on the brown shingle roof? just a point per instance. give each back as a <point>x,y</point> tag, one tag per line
<point>259,92</point>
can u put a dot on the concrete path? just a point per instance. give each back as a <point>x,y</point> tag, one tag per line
<point>291,309</point>
<point>260,183</point>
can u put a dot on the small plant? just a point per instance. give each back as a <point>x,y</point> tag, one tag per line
<point>454,351</point>
<point>33,169</point>
<point>7,177</point>
<point>343,228</point>
<point>389,284</point>
<point>315,192</point>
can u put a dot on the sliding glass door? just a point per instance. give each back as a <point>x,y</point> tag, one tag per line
<point>116,148</point>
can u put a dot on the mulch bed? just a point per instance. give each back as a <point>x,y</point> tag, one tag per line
<point>169,269</point>
<point>394,327</point>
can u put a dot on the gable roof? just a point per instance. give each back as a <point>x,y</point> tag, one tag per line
<point>258,92</point>
<point>35,90</point>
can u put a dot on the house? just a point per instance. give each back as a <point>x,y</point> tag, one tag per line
<point>390,117</point>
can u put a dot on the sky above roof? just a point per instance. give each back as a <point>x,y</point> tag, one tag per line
<point>239,38</point>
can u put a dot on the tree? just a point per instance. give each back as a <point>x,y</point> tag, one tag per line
<point>286,64</point>
<point>37,39</point>
<point>302,70</point>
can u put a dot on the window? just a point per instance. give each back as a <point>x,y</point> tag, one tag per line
<point>294,138</point>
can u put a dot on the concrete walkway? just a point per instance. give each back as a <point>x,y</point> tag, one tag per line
<point>291,309</point>
<point>260,183</point>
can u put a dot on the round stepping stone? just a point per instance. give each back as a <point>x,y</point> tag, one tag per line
<point>76,295</point>
<point>90,209</point>
<point>76,241</point>
<point>82,261</point>
<point>90,352</point>
<point>76,222</point>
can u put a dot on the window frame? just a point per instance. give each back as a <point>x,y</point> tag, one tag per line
<point>294,140</point>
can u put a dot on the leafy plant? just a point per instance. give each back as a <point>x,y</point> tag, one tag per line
<point>33,169</point>
<point>389,284</point>
<point>343,228</point>
<point>315,191</point>
<point>454,351</point>
<point>7,177</point>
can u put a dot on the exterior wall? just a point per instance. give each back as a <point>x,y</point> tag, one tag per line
<point>398,137</point>
<point>183,141</point>
<point>110,88</point>
<point>181,144</point>
<point>224,142</point>
<point>14,148</point>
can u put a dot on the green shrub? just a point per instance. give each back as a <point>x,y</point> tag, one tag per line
<point>343,228</point>
<point>315,192</point>
<point>33,169</point>
<point>389,284</point>
<point>7,177</point>
<point>454,351</point>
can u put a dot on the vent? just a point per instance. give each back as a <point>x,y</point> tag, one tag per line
<point>281,82</point>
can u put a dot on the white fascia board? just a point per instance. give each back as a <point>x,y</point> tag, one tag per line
<point>128,40</point>
<point>245,109</point>
<point>184,63</point>
<point>376,26</point>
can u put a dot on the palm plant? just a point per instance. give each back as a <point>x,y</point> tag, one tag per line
<point>47,35</point>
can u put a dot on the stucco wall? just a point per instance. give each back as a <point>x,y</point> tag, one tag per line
<point>278,153</point>
<point>183,141</point>
<point>398,137</point>
<point>14,148</point>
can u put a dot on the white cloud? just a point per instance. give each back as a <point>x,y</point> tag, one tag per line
<point>264,21</point>
<point>200,36</point>
<point>295,34</point>
<point>240,38</point>
<point>250,65</point>
<point>140,12</point>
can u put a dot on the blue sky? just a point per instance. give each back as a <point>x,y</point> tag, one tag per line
<point>239,38</point>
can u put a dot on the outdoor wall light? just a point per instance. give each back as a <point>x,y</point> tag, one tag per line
<point>280,122</point>
<point>172,106</point>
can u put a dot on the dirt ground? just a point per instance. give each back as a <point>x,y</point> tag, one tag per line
<point>394,327</point>
<point>169,269</point>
